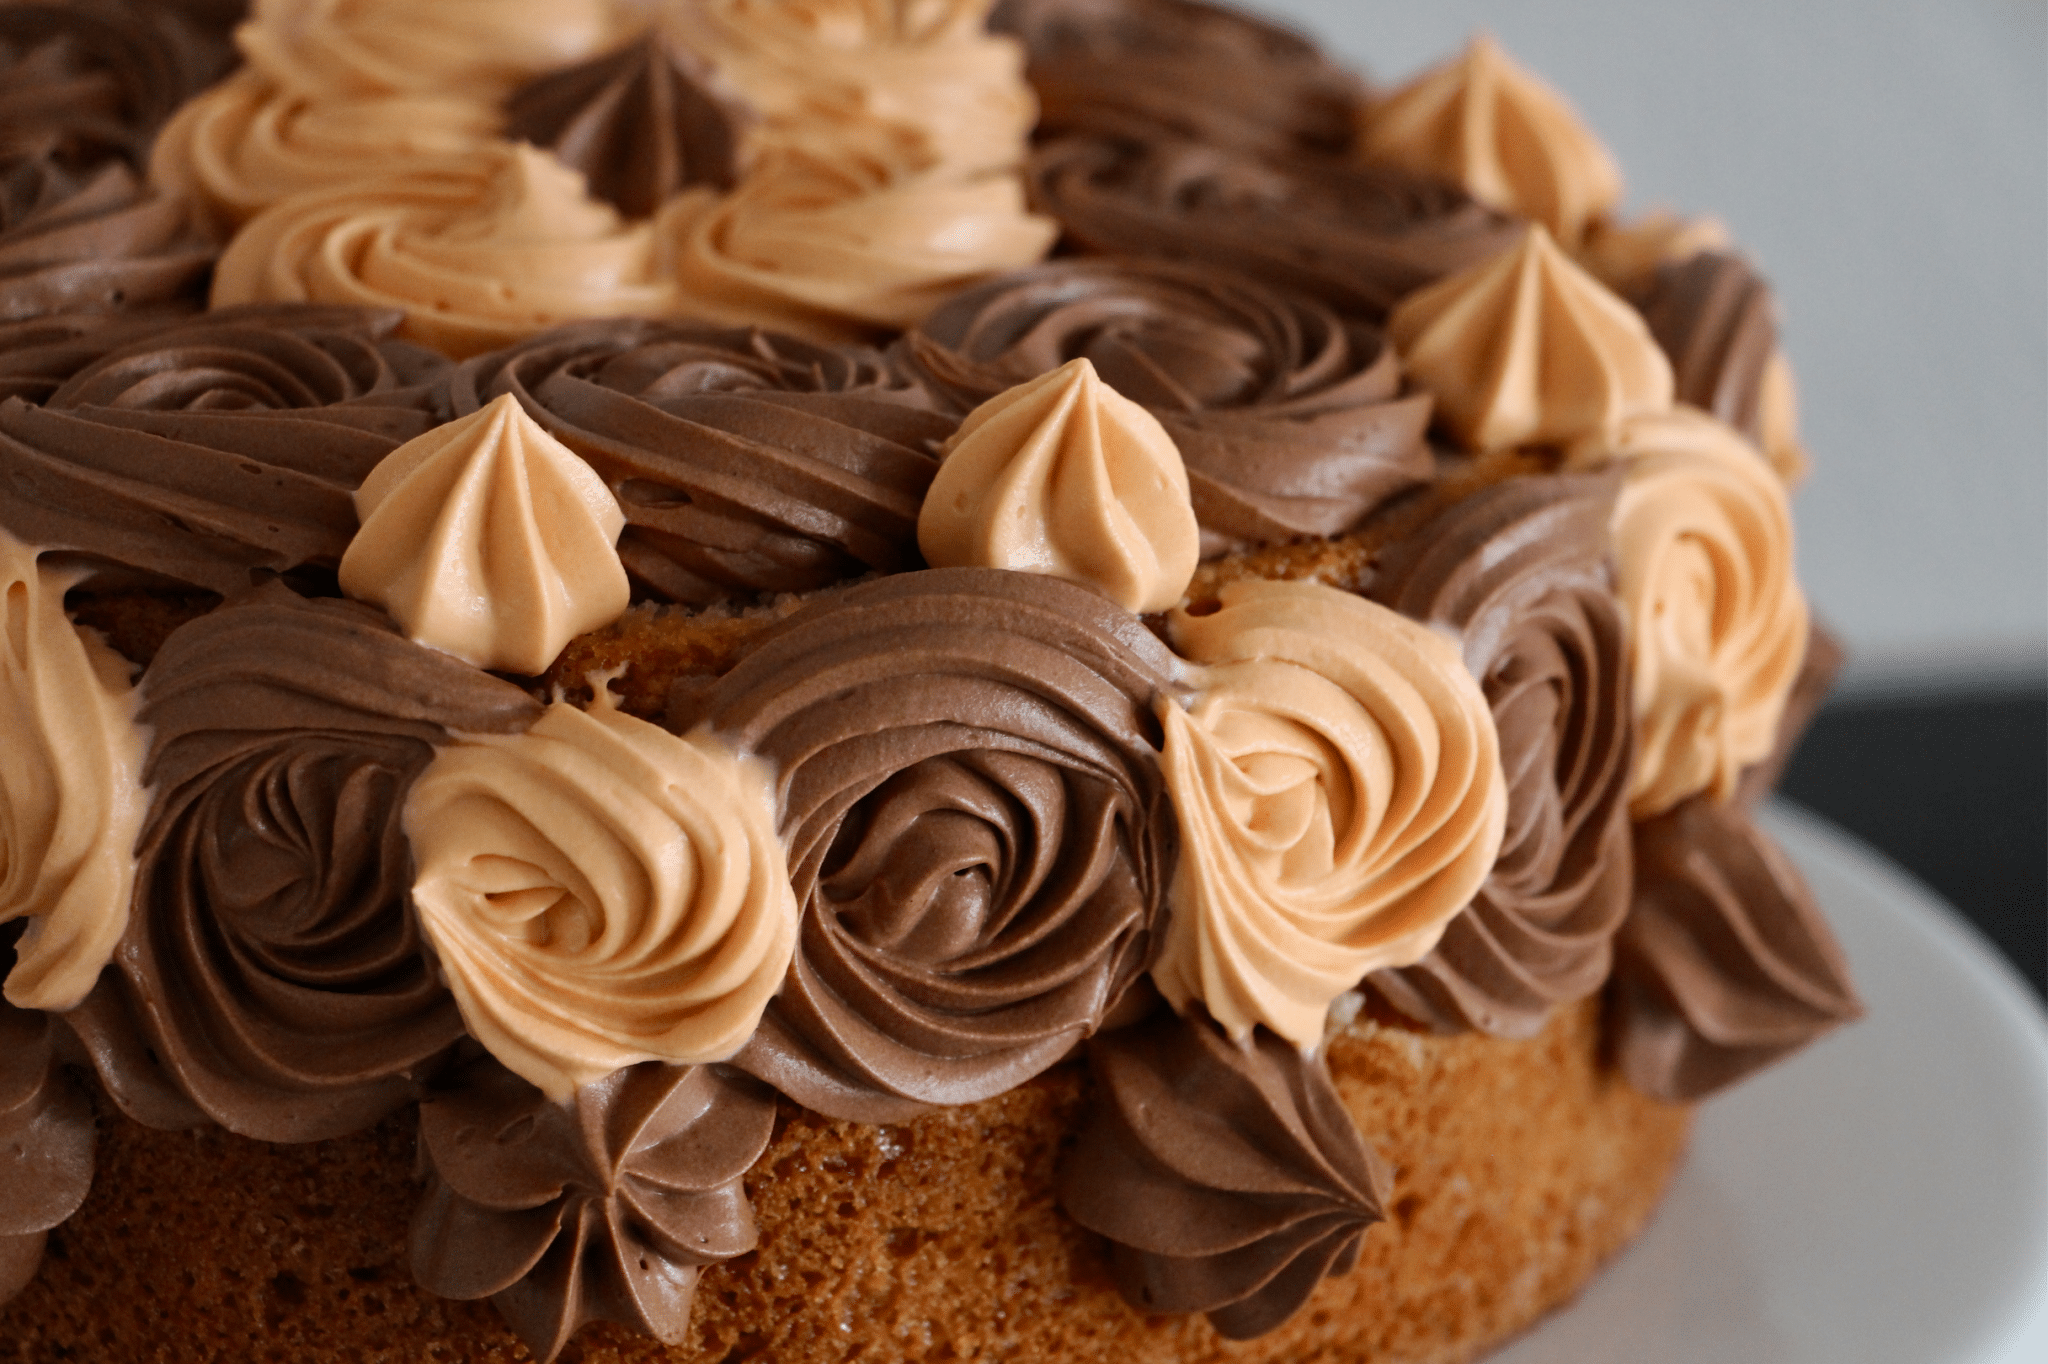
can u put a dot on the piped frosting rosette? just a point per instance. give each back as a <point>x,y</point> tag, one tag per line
<point>46,1138</point>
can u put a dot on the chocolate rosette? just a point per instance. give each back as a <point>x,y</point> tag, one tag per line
<point>602,1208</point>
<point>745,461</point>
<point>272,967</point>
<point>201,451</point>
<point>46,1136</point>
<point>1229,1177</point>
<point>1290,420</point>
<point>1520,573</point>
<point>94,239</point>
<point>1359,238</point>
<point>1725,963</point>
<point>979,837</point>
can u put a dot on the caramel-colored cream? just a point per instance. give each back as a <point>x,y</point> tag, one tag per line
<point>1513,143</point>
<point>1529,349</point>
<point>1779,416</point>
<point>600,892</point>
<point>1063,475</point>
<point>1624,256</point>
<point>71,797</point>
<point>489,539</point>
<point>1340,796</point>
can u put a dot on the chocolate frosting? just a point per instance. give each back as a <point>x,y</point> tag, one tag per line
<point>46,1136</point>
<point>1144,69</point>
<point>979,837</point>
<point>745,461</point>
<point>92,239</point>
<point>1520,572</point>
<point>1724,964</point>
<point>600,1209</point>
<point>205,449</point>
<point>641,123</point>
<point>272,965</point>
<point>1356,237</point>
<point>1229,1178</point>
<point>1714,317</point>
<point>1289,419</point>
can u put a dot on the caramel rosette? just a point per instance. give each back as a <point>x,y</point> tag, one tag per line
<point>1290,421</point>
<point>599,892</point>
<point>202,450</point>
<point>1520,572</point>
<point>46,1139</point>
<point>745,462</point>
<point>602,1208</point>
<point>1359,238</point>
<point>272,966</point>
<point>477,255</point>
<point>1339,788</point>
<point>978,834</point>
<point>1725,963</point>
<point>92,240</point>
<point>1227,1175</point>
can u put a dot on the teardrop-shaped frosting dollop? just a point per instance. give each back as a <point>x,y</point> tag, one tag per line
<point>1529,349</point>
<point>490,540</point>
<point>1063,475</point>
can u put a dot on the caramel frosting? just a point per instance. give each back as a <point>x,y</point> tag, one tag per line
<point>46,1141</point>
<point>1227,1176</point>
<point>477,256</point>
<point>978,834</point>
<point>1725,963</point>
<point>1520,573</point>
<point>1624,255</point>
<point>274,967</point>
<point>95,239</point>
<point>745,462</point>
<point>1357,237</point>
<point>1288,419</point>
<point>1062,475</point>
<point>1339,788</point>
<point>844,249</point>
<point>489,539</point>
<point>641,123</point>
<point>599,892</point>
<point>1703,537</point>
<point>1148,69</point>
<point>1529,349</point>
<point>1483,122</point>
<point>204,450</point>
<point>602,1208</point>
<point>71,798</point>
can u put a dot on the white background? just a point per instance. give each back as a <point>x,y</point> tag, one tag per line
<point>1886,165</point>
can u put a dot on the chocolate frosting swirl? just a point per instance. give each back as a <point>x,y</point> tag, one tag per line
<point>1357,237</point>
<point>979,837</point>
<point>272,964</point>
<point>1229,1178</point>
<point>203,450</point>
<point>1714,317</point>
<point>1724,963</point>
<point>46,1136</point>
<point>92,239</point>
<point>600,1209</point>
<point>1520,572</point>
<point>1289,419</point>
<point>745,461</point>
<point>1144,69</point>
<point>641,123</point>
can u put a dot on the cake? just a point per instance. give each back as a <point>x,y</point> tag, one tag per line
<point>849,679</point>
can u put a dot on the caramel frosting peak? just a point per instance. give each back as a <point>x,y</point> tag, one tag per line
<point>489,539</point>
<point>1529,349</point>
<point>1483,122</point>
<point>1063,475</point>
<point>1340,795</point>
<point>71,797</point>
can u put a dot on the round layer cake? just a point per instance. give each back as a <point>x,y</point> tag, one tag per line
<point>853,679</point>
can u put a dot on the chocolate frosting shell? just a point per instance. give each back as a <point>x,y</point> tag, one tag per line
<point>1229,1178</point>
<point>1715,319</point>
<point>1520,572</point>
<point>204,450</point>
<point>745,462</point>
<point>1290,421</point>
<point>1358,238</point>
<point>272,966</point>
<point>46,1130</point>
<point>1724,964</point>
<point>979,836</point>
<point>600,1209</point>
<point>97,238</point>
